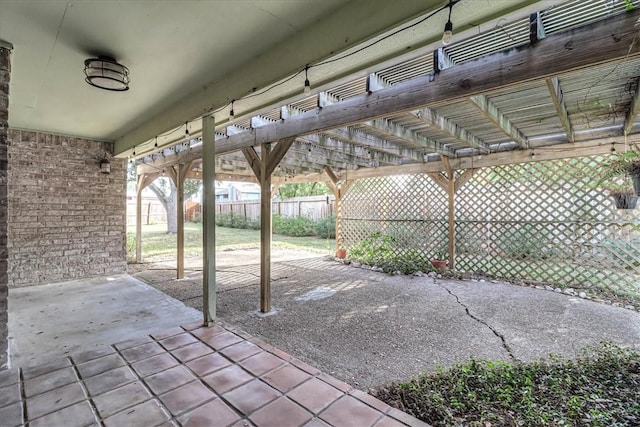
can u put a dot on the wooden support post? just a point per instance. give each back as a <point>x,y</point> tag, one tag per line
<point>339,190</point>
<point>209,220</point>
<point>139,188</point>
<point>451,193</point>
<point>265,231</point>
<point>263,166</point>
<point>180,174</point>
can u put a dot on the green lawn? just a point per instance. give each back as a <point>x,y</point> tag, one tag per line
<point>157,243</point>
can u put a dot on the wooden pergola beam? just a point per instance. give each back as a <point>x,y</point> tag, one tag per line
<point>409,137</point>
<point>496,116</point>
<point>556,54</point>
<point>375,144</point>
<point>557,96</point>
<point>431,117</point>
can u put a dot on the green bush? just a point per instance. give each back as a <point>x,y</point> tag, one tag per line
<point>131,245</point>
<point>233,220</point>
<point>325,228</point>
<point>384,251</point>
<point>298,226</point>
<point>527,241</point>
<point>600,388</point>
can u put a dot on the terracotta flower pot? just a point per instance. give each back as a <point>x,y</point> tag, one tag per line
<point>439,264</point>
<point>341,253</point>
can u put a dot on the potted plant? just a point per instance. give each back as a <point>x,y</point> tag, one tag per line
<point>624,197</point>
<point>341,253</point>
<point>625,165</point>
<point>440,261</point>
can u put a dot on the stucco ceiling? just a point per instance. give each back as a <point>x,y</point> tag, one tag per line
<point>189,57</point>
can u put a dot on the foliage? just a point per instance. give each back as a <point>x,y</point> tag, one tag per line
<point>131,245</point>
<point>385,252</point>
<point>325,228</point>
<point>293,226</point>
<point>620,166</point>
<point>526,241</point>
<point>302,189</point>
<point>234,220</point>
<point>600,388</point>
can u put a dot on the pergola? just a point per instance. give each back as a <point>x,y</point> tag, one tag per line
<point>565,78</point>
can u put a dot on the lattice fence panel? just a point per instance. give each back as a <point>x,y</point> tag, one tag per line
<point>541,221</point>
<point>411,209</point>
<point>545,222</point>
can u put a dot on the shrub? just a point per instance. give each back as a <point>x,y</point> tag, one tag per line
<point>131,245</point>
<point>384,251</point>
<point>293,226</point>
<point>233,220</point>
<point>325,228</point>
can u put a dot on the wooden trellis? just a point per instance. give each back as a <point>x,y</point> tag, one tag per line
<point>539,221</point>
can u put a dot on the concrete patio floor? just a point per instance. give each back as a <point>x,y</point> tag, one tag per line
<point>159,373</point>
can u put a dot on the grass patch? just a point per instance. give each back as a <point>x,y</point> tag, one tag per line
<point>156,243</point>
<point>601,387</point>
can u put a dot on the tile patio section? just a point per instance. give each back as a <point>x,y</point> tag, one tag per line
<point>189,376</point>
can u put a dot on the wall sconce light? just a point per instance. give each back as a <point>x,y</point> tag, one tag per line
<point>105,165</point>
<point>106,73</point>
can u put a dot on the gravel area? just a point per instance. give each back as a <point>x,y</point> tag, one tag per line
<point>369,328</point>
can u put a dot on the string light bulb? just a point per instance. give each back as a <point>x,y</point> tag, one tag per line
<point>155,145</point>
<point>447,35</point>
<point>533,154</point>
<point>613,147</point>
<point>232,113</point>
<point>307,85</point>
<point>134,151</point>
<point>186,128</point>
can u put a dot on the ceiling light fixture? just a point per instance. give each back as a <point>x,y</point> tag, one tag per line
<point>105,73</point>
<point>448,27</point>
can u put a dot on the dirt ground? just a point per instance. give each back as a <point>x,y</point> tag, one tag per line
<point>369,328</point>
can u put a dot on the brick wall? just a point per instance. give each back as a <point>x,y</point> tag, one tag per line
<point>5,71</point>
<point>66,219</point>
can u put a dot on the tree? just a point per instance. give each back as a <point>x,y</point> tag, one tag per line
<point>167,193</point>
<point>302,189</point>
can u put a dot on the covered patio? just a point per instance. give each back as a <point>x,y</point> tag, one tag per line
<point>433,147</point>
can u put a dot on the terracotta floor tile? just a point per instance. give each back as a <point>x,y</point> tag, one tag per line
<point>243,423</point>
<point>168,333</point>
<point>206,333</point>
<point>251,396</point>
<point>227,379</point>
<point>143,351</point>
<point>98,366</point>
<point>192,351</point>
<point>240,351</point>
<point>222,340</point>
<point>178,341</point>
<point>123,397</point>
<point>316,422</point>
<point>286,377</point>
<point>109,380</point>
<point>208,364</point>
<point>370,400</point>
<point>169,379</point>
<point>45,403</point>
<point>45,368</point>
<point>315,395</point>
<point>80,413</point>
<point>350,411</point>
<point>193,326</point>
<point>405,418</point>
<point>49,381</point>
<point>187,397</point>
<point>210,414</point>
<point>305,367</point>
<point>261,363</point>
<point>154,364</point>
<point>342,386</point>
<point>148,413</point>
<point>133,343</point>
<point>11,415</point>
<point>282,412</point>
<point>9,394</point>
<point>86,356</point>
<point>9,376</point>
<point>389,422</point>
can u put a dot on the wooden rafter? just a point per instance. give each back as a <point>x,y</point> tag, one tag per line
<point>393,130</point>
<point>557,96</point>
<point>611,38</point>
<point>432,118</point>
<point>496,116</point>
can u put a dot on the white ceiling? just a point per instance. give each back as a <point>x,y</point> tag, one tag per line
<point>188,57</point>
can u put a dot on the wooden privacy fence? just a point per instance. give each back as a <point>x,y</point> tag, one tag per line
<point>313,207</point>
<point>540,221</point>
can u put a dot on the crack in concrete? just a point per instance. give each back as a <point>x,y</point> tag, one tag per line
<point>483,322</point>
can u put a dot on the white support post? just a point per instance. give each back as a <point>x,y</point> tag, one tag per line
<point>209,220</point>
